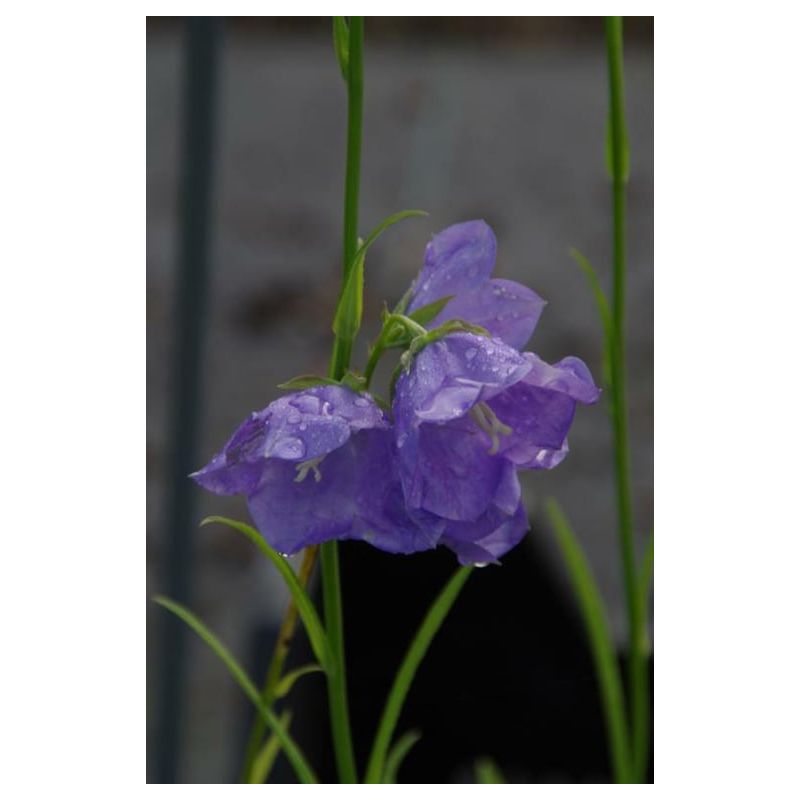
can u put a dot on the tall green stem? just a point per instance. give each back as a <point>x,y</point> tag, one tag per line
<point>340,360</point>
<point>636,636</point>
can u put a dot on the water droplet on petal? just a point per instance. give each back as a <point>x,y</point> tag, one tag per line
<point>482,564</point>
<point>290,447</point>
<point>361,402</point>
<point>471,353</point>
<point>302,426</point>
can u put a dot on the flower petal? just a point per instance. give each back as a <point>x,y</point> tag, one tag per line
<point>458,259</point>
<point>540,409</point>
<point>508,310</point>
<point>488,538</point>
<point>447,470</point>
<point>237,468</point>
<point>449,376</point>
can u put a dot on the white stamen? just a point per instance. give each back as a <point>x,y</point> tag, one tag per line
<point>304,467</point>
<point>488,422</point>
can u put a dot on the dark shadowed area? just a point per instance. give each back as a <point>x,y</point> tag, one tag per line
<point>501,119</point>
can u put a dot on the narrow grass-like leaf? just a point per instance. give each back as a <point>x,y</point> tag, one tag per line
<point>265,760</point>
<point>594,618</point>
<point>341,44</point>
<point>405,675</point>
<point>603,309</point>
<point>486,771</point>
<point>305,608</point>
<point>288,681</point>
<point>349,309</point>
<point>397,755</point>
<point>306,382</point>
<point>293,753</point>
<point>429,312</point>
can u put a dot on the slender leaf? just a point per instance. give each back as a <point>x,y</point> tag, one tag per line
<point>288,681</point>
<point>397,754</point>
<point>293,753</point>
<point>349,309</point>
<point>306,382</point>
<point>603,310</point>
<point>486,771</point>
<point>429,312</point>
<point>594,618</point>
<point>405,675</point>
<point>305,607</point>
<point>341,44</point>
<point>265,760</point>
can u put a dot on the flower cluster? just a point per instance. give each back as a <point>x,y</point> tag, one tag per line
<point>469,411</point>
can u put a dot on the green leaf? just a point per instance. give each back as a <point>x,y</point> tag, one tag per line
<point>408,669</point>
<point>486,771</point>
<point>594,619</point>
<point>305,608</point>
<point>397,755</point>
<point>306,382</point>
<point>349,309</point>
<point>288,681</point>
<point>341,44</point>
<point>265,760</point>
<point>293,753</point>
<point>603,310</point>
<point>429,312</point>
<point>626,156</point>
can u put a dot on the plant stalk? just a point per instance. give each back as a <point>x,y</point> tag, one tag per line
<point>340,361</point>
<point>636,632</point>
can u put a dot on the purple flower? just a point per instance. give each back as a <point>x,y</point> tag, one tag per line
<point>469,412</point>
<point>458,263</point>
<point>318,465</point>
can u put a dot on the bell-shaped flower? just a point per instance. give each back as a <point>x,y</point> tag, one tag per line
<point>458,264</point>
<point>469,411</point>
<point>318,465</point>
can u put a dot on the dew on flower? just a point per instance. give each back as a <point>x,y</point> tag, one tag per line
<point>290,447</point>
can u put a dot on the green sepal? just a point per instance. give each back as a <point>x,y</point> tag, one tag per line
<point>402,304</point>
<point>354,380</point>
<point>429,312</point>
<point>341,44</point>
<point>397,754</point>
<point>290,678</point>
<point>306,382</point>
<point>350,308</point>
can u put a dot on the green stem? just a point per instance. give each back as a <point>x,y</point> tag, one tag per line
<point>638,685</point>
<point>340,361</point>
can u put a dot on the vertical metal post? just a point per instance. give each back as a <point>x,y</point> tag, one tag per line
<point>200,80</point>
